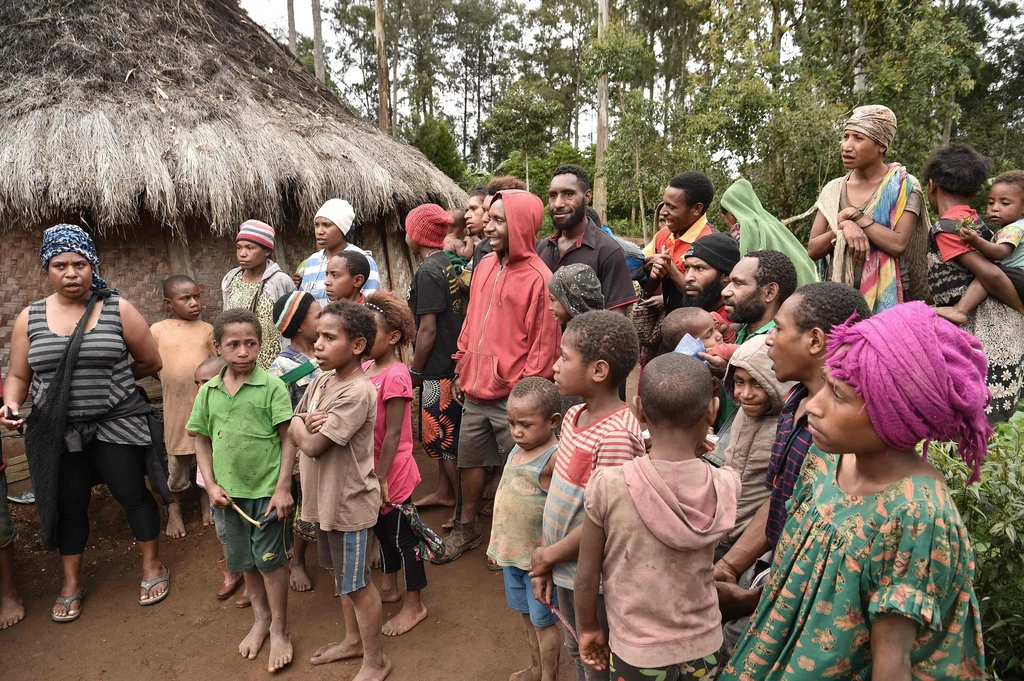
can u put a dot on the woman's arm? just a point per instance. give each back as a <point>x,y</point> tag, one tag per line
<point>425,337</point>
<point>892,637</point>
<point>892,241</point>
<point>822,240</point>
<point>139,342</point>
<point>19,373</point>
<point>586,589</point>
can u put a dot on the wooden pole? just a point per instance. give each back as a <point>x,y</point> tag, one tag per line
<point>382,67</point>
<point>600,182</point>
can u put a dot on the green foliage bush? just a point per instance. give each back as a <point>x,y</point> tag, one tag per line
<point>993,512</point>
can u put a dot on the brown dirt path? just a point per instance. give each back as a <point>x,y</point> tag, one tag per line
<point>470,633</point>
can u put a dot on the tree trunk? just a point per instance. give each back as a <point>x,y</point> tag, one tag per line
<point>640,190</point>
<point>600,181</point>
<point>394,73</point>
<point>293,42</point>
<point>382,67</point>
<point>860,55</point>
<point>318,45</point>
<point>947,126</point>
<point>526,155</point>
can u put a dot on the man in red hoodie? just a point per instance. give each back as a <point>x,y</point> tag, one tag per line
<point>508,334</point>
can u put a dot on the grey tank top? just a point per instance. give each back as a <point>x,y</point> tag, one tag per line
<point>101,379</point>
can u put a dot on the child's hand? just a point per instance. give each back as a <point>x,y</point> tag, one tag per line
<point>218,497</point>
<point>718,364</point>
<point>315,420</point>
<point>543,587</point>
<point>539,563</point>
<point>281,502</point>
<point>594,648</point>
<point>385,498</point>
<point>724,573</point>
<point>969,236</point>
<point>457,393</point>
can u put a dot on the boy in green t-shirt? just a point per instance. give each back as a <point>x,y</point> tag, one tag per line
<point>240,422</point>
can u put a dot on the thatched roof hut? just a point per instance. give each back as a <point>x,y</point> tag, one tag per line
<point>161,126</point>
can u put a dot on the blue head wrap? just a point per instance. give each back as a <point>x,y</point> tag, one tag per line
<point>71,239</point>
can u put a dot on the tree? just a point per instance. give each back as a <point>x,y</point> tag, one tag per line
<point>293,43</point>
<point>318,44</point>
<point>434,138</point>
<point>382,66</point>
<point>522,120</point>
<point>600,183</point>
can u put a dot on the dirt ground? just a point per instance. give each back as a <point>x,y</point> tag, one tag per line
<point>469,633</point>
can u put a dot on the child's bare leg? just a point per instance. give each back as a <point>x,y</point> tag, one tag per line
<point>175,525</point>
<point>533,672</point>
<point>413,612</point>
<point>350,646</point>
<point>276,582</point>
<point>256,590</point>
<point>999,287</point>
<point>299,579</point>
<point>376,666</point>
<point>204,506</point>
<point>550,644</point>
<point>389,592</point>
<point>12,609</point>
<point>447,472</point>
<point>974,296</point>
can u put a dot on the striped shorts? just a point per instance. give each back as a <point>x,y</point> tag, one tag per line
<point>346,554</point>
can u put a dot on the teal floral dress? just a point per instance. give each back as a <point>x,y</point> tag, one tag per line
<point>843,562</point>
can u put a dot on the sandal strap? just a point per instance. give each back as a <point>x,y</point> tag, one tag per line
<point>66,601</point>
<point>148,584</point>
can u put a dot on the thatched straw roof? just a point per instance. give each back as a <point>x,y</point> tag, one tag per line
<point>185,110</point>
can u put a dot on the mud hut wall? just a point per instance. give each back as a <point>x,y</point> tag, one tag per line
<point>137,261</point>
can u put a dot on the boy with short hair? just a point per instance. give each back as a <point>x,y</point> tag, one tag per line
<point>651,529</point>
<point>185,341</point>
<point>598,351</point>
<point>333,428</point>
<point>240,422</point>
<point>534,412</point>
<point>347,271</point>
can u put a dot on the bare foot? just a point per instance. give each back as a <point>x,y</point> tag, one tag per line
<point>243,601</point>
<point>12,611</point>
<point>280,651</point>
<point>299,579</point>
<point>376,562</point>
<point>404,621</point>
<point>332,652</point>
<point>175,525</point>
<point>450,525</point>
<point>528,674</point>
<point>377,672</point>
<point>952,314</point>
<point>251,644</point>
<point>434,499</point>
<point>207,520</point>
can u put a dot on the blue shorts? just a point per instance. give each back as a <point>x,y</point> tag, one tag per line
<point>347,554</point>
<point>519,594</point>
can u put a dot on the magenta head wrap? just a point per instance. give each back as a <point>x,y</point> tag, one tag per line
<point>921,378</point>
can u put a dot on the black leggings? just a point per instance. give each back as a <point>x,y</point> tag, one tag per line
<point>398,548</point>
<point>122,468</point>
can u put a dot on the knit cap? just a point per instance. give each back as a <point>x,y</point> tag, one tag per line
<point>717,249</point>
<point>259,233</point>
<point>428,225</point>
<point>290,311</point>
<point>340,212</point>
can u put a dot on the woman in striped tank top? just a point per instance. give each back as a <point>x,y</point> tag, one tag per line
<point>89,405</point>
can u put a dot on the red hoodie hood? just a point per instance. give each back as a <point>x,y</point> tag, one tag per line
<point>509,333</point>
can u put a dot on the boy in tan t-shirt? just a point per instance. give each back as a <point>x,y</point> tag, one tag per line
<point>333,428</point>
<point>184,342</point>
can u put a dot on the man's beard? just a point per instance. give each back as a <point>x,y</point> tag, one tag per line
<point>748,312</point>
<point>578,215</point>
<point>709,298</point>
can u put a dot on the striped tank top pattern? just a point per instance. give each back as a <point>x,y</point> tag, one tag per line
<point>101,379</point>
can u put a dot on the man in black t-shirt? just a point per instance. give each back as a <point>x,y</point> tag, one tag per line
<point>439,307</point>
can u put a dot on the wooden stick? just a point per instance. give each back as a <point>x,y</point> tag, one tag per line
<point>244,515</point>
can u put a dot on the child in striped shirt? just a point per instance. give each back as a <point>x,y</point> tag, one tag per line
<point>599,349</point>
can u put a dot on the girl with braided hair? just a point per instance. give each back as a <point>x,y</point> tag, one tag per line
<point>873,575</point>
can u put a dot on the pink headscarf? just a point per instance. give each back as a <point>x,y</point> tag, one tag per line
<point>921,378</point>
